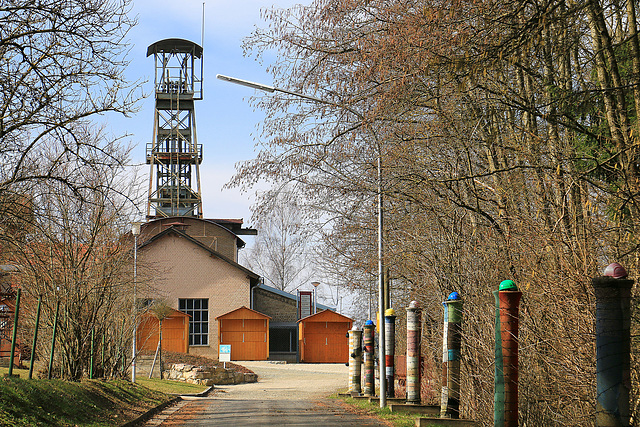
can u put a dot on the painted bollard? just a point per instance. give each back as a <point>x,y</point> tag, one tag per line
<point>355,360</point>
<point>390,349</point>
<point>369,388</point>
<point>451,344</point>
<point>414,335</point>
<point>506,355</point>
<point>613,346</point>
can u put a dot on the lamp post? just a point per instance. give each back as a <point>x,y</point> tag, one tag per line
<point>381,286</point>
<point>135,230</point>
<point>315,296</point>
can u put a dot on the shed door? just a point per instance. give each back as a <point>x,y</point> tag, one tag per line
<point>248,338</point>
<point>326,342</point>
<point>173,334</point>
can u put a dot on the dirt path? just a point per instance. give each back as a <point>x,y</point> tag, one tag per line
<point>286,394</point>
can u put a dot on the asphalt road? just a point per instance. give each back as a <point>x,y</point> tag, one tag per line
<point>285,394</point>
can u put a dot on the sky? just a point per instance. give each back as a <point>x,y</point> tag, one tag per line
<point>225,122</point>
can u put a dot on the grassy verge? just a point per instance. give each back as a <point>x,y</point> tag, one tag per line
<point>171,387</point>
<point>62,403</point>
<point>363,406</point>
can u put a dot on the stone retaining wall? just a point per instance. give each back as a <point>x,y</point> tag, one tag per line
<point>207,376</point>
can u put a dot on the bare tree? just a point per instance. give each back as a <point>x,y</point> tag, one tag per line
<point>73,253</point>
<point>60,63</point>
<point>282,251</point>
<point>507,134</point>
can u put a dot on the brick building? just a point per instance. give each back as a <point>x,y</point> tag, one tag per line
<point>191,264</point>
<point>282,307</point>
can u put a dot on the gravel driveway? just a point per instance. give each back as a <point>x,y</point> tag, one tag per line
<point>285,394</point>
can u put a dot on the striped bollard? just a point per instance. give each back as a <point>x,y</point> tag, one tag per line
<point>355,360</point>
<point>369,388</point>
<point>414,335</point>
<point>613,346</point>
<point>506,355</point>
<point>390,349</point>
<point>451,343</point>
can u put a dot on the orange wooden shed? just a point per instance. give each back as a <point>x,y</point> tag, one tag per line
<point>323,337</point>
<point>247,331</point>
<point>175,332</point>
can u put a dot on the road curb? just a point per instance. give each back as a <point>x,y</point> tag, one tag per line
<point>154,411</point>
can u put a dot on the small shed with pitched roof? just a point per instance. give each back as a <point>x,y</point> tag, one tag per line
<point>247,331</point>
<point>323,337</point>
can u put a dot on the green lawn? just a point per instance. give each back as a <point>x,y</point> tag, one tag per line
<point>363,406</point>
<point>170,387</point>
<point>63,403</point>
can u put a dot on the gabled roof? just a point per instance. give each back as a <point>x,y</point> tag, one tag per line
<point>326,315</point>
<point>288,295</point>
<point>232,226</point>
<point>243,313</point>
<point>255,277</point>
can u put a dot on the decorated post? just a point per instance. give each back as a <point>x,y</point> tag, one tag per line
<point>451,343</point>
<point>613,346</point>
<point>414,334</point>
<point>390,349</point>
<point>369,388</point>
<point>506,354</point>
<point>355,360</point>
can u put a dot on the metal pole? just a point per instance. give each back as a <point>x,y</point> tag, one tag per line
<point>613,346</point>
<point>53,339</point>
<point>35,337</point>
<point>381,291</point>
<point>506,354</point>
<point>135,326</point>
<point>104,370</point>
<point>414,335</point>
<point>93,330</point>
<point>369,368</point>
<point>14,335</point>
<point>451,344</point>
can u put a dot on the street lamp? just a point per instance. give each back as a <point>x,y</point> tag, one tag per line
<point>315,296</point>
<point>135,230</point>
<point>381,286</point>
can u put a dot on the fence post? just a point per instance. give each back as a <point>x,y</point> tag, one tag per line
<point>53,339</point>
<point>35,337</point>
<point>14,335</point>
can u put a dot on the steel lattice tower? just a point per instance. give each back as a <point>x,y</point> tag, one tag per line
<point>174,154</point>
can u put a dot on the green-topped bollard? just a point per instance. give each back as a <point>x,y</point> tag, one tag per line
<point>414,335</point>
<point>613,346</point>
<point>451,345</point>
<point>506,354</point>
